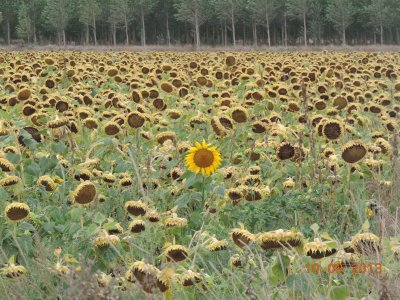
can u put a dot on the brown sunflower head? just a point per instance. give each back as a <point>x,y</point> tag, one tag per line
<point>176,253</point>
<point>285,151</point>
<point>136,208</point>
<point>84,193</point>
<point>332,129</point>
<point>16,211</point>
<point>280,238</point>
<point>366,243</point>
<point>239,114</point>
<point>241,237</point>
<point>319,249</point>
<point>137,226</point>
<point>353,151</point>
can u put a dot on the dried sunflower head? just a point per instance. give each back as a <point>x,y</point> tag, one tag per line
<point>241,237</point>
<point>84,193</point>
<point>366,243</point>
<point>16,211</point>
<point>319,249</point>
<point>176,253</point>
<point>13,271</point>
<point>136,208</point>
<point>280,238</point>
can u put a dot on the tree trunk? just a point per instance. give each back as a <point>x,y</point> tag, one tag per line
<point>87,34</point>
<point>8,32</point>
<point>305,29</point>
<point>244,33</point>
<point>225,35</point>
<point>268,31</point>
<point>381,34</point>
<point>34,34</point>
<point>126,31</point>
<point>114,34</point>
<point>397,36</point>
<point>233,26</point>
<point>197,30</point>
<point>63,37</point>
<point>344,36</point>
<point>168,33</point>
<point>285,27</point>
<point>143,35</point>
<point>254,25</point>
<point>94,31</point>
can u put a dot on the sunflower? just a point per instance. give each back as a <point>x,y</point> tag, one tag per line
<point>366,243</point>
<point>203,158</point>
<point>217,245</point>
<point>13,271</point>
<point>319,249</point>
<point>190,278</point>
<point>176,253</point>
<point>280,238</point>
<point>16,211</point>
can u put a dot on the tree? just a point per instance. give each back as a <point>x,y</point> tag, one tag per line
<point>255,9</point>
<point>89,10</point>
<point>340,13</point>
<point>299,9</point>
<point>57,14</point>
<point>318,18</point>
<point>120,13</point>
<point>378,13</point>
<point>7,8</point>
<point>24,27</point>
<point>194,12</point>
<point>143,8</point>
<point>227,11</point>
<point>270,10</point>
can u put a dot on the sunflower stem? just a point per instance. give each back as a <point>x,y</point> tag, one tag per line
<point>203,190</point>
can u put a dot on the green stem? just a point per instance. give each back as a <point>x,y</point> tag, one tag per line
<point>203,190</point>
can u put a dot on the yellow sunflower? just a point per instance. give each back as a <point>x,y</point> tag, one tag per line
<point>203,158</point>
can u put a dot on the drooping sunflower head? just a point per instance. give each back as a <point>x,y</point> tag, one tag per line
<point>105,240</point>
<point>190,278</point>
<point>353,151</point>
<point>84,193</point>
<point>175,221</point>
<point>241,237</point>
<point>16,211</point>
<point>366,243</point>
<point>136,208</point>
<point>176,253</point>
<point>319,249</point>
<point>13,271</point>
<point>9,180</point>
<point>280,238</point>
<point>218,245</point>
<point>146,274</point>
<point>203,158</point>
<point>137,226</point>
<point>47,182</point>
<point>345,259</point>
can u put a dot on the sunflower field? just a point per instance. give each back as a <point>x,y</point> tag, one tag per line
<point>208,175</point>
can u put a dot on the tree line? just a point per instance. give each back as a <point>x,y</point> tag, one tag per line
<point>209,22</point>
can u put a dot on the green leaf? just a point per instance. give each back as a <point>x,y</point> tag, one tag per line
<point>99,218</point>
<point>339,292</point>
<point>59,148</point>
<point>76,213</point>
<point>33,169</point>
<point>47,163</point>
<point>183,200</point>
